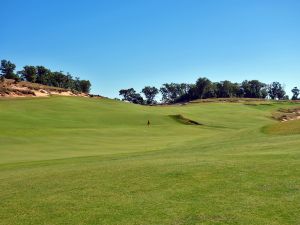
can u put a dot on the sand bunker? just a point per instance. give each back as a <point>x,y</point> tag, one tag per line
<point>10,88</point>
<point>285,115</point>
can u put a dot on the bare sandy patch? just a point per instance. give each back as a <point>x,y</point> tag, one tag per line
<point>285,115</point>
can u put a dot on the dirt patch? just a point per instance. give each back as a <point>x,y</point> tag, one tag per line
<point>62,93</point>
<point>41,93</point>
<point>11,88</point>
<point>285,115</point>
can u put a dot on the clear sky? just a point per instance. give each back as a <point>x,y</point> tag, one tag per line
<point>132,43</point>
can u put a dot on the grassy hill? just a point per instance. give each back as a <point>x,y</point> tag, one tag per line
<point>73,160</point>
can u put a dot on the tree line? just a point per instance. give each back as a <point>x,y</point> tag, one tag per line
<point>205,88</point>
<point>42,75</point>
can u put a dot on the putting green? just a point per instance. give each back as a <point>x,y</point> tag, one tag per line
<point>72,160</point>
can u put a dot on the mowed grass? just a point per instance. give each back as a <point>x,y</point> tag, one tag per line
<point>72,160</point>
<point>284,128</point>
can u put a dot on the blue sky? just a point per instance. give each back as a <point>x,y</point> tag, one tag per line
<point>132,43</point>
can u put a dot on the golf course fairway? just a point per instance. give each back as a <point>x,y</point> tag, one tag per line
<point>88,161</point>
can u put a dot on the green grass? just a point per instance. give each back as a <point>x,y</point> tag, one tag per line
<point>284,128</point>
<point>72,160</point>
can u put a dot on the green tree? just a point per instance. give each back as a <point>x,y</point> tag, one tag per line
<point>211,91</point>
<point>253,89</point>
<point>130,95</point>
<point>57,79</point>
<point>264,92</point>
<point>186,92</point>
<point>227,89</point>
<point>43,75</point>
<point>170,92</point>
<point>276,91</point>
<point>7,69</point>
<point>85,86</point>
<point>296,93</point>
<point>127,94</point>
<point>29,73</point>
<point>203,85</point>
<point>150,93</point>
<point>286,97</point>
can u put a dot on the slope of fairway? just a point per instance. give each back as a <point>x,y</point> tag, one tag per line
<point>284,128</point>
<point>72,160</point>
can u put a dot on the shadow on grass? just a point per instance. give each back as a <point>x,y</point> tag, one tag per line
<point>183,120</point>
